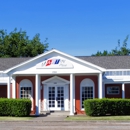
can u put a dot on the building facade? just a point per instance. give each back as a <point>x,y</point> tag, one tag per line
<point>55,81</point>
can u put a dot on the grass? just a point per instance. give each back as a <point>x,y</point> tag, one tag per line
<point>6,118</point>
<point>88,118</point>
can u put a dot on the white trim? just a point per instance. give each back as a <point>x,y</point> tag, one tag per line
<point>45,98</point>
<point>53,71</point>
<point>54,78</point>
<point>66,97</point>
<point>100,86</point>
<point>123,90</point>
<point>60,82</point>
<point>59,52</point>
<point>37,93</point>
<point>86,83</point>
<point>71,94</point>
<point>111,81</point>
<point>8,87</point>
<point>13,87</point>
<point>117,69</point>
<point>74,94</point>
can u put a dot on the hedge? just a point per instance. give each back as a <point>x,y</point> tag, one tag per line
<point>15,107</point>
<point>102,107</point>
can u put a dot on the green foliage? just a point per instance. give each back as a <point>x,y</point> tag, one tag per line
<point>102,107</point>
<point>118,51</point>
<point>15,107</point>
<point>18,44</point>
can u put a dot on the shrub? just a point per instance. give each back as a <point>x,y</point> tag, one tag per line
<point>15,107</point>
<point>102,107</point>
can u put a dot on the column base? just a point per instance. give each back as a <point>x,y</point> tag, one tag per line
<point>71,114</point>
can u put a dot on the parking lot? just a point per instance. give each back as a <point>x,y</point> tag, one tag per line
<point>64,125</point>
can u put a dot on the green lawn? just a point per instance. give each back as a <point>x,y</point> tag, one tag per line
<point>78,118</point>
<point>5,118</point>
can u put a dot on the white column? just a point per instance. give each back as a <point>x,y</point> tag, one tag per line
<point>8,87</point>
<point>71,94</point>
<point>100,86</point>
<point>14,87</point>
<point>37,93</point>
<point>74,93</point>
<point>123,90</point>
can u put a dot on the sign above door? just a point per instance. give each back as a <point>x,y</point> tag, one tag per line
<point>54,63</point>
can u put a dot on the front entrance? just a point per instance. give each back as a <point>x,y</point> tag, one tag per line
<point>56,94</point>
<point>56,97</point>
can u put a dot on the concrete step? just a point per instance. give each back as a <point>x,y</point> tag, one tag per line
<point>55,113</point>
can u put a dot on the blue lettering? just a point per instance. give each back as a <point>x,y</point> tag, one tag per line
<point>57,61</point>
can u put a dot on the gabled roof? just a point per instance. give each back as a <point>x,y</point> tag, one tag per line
<point>6,63</point>
<point>108,62</point>
<point>50,52</point>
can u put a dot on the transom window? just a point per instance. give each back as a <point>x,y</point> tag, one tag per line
<point>86,90</point>
<point>113,90</point>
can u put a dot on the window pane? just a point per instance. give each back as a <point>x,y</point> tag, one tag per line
<point>25,92</point>
<point>87,93</point>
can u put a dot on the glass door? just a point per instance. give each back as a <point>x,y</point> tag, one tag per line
<point>56,98</point>
<point>60,98</point>
<point>51,97</point>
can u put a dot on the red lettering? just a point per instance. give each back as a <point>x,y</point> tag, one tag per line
<point>48,62</point>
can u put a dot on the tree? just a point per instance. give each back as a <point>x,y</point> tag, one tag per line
<point>18,44</point>
<point>118,51</point>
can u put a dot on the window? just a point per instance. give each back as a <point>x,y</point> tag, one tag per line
<point>113,90</point>
<point>86,91</point>
<point>25,92</point>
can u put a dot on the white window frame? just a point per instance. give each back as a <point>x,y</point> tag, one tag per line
<point>86,83</point>
<point>26,83</point>
<point>113,90</point>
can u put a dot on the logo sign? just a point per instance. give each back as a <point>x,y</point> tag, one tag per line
<point>52,61</point>
<point>55,63</point>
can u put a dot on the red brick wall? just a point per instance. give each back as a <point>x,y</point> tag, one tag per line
<point>78,80</point>
<point>32,79</point>
<point>3,91</point>
<point>127,90</point>
<point>116,95</point>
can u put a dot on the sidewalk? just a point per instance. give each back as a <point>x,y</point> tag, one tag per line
<point>49,118</point>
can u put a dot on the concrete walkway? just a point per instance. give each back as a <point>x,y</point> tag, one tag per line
<point>49,118</point>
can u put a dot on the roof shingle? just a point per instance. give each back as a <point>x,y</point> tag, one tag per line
<point>107,62</point>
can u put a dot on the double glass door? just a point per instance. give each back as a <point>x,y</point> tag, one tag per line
<point>56,97</point>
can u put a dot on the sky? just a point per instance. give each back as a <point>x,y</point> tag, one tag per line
<point>75,27</point>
